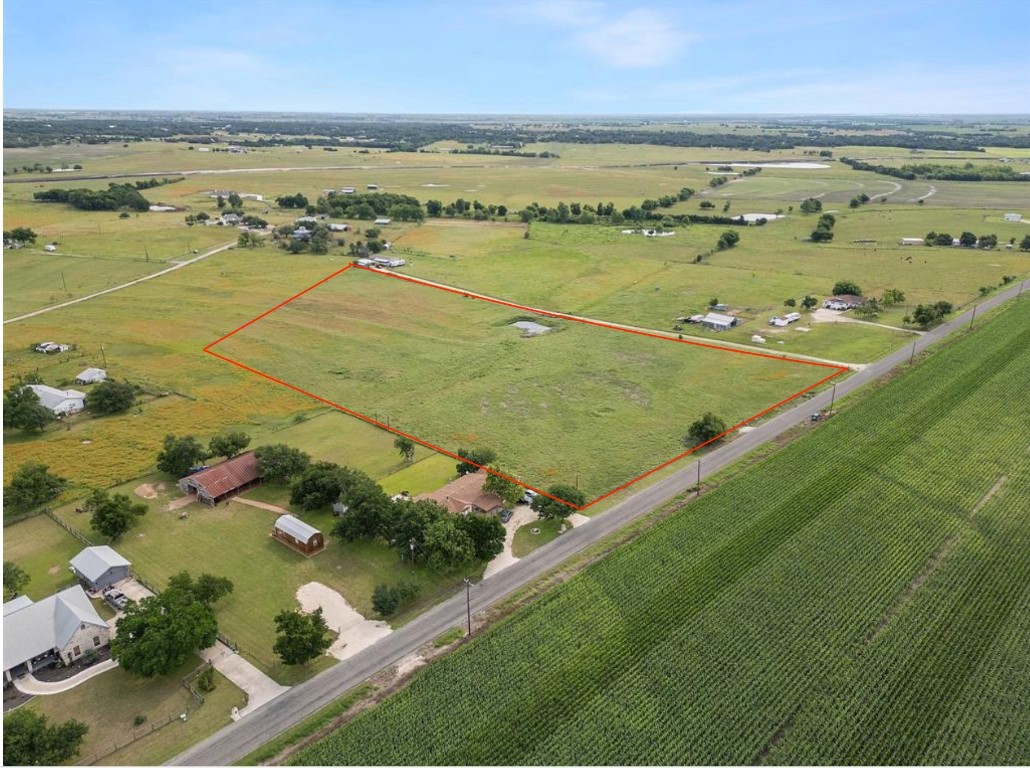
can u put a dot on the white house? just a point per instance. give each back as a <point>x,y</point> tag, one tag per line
<point>91,376</point>
<point>1014,217</point>
<point>60,401</point>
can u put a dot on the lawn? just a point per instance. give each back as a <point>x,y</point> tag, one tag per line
<point>109,703</point>
<point>42,549</point>
<point>526,541</point>
<point>595,406</point>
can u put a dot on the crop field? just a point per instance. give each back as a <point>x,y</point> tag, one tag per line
<point>861,597</point>
<point>582,403</point>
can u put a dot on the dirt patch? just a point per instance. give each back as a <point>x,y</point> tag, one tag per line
<point>53,569</point>
<point>181,502</point>
<point>355,631</point>
<point>146,491</point>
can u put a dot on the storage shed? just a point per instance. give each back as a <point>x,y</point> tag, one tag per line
<point>99,567</point>
<point>717,322</point>
<point>295,533</point>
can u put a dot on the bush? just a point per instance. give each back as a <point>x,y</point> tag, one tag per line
<point>386,599</point>
<point>206,680</point>
<point>138,720</point>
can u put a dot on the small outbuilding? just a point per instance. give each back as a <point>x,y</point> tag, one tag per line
<point>50,248</point>
<point>911,241</point>
<point>91,376</point>
<point>221,481</point>
<point>99,568</point>
<point>382,221</point>
<point>298,535</point>
<point>1014,217</point>
<point>716,322</point>
<point>843,302</point>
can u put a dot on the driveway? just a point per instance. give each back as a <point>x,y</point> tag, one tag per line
<point>258,686</point>
<point>522,515</point>
<point>33,687</point>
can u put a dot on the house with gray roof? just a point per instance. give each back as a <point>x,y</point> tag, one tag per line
<point>62,627</point>
<point>99,567</point>
<point>298,535</point>
<point>716,322</point>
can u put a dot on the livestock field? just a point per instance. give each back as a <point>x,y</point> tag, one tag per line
<point>860,597</point>
<point>582,403</point>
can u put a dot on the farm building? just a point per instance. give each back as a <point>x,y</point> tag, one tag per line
<point>383,261</point>
<point>842,303</point>
<point>91,376</point>
<point>716,322</point>
<point>305,220</point>
<point>216,483</point>
<point>1014,217</point>
<point>382,220</point>
<point>348,190</point>
<point>466,494</point>
<point>61,627</point>
<point>339,227</point>
<point>60,401</point>
<point>302,233</point>
<point>46,347</point>
<point>50,248</point>
<point>99,567</point>
<point>295,533</point>
<point>911,241</point>
<point>230,220</point>
<point>372,186</point>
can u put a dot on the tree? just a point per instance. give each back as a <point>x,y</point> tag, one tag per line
<point>809,302</point>
<point>112,515</point>
<point>892,296</point>
<point>180,454</point>
<point>727,240</point>
<point>220,202</point>
<point>554,508</point>
<point>434,208</point>
<point>235,201</point>
<point>821,234</point>
<point>445,546</point>
<point>318,486</point>
<point>474,459</point>
<point>369,510</point>
<point>705,429</point>
<point>249,239</point>
<point>987,241</point>
<point>159,634</point>
<point>790,303</point>
<point>967,239</point>
<point>15,580</point>
<point>811,205</point>
<point>406,447</point>
<point>486,532</point>
<point>846,288</point>
<point>713,302</point>
<point>207,589</point>
<point>32,486</point>
<point>230,444</point>
<point>20,235</point>
<point>23,410</point>
<point>386,599</point>
<point>30,740</point>
<point>1024,244</point>
<point>111,397</point>
<point>278,463</point>
<point>301,637</point>
<point>509,491</point>
<point>927,315</point>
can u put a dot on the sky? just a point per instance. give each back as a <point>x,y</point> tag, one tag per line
<point>560,57</point>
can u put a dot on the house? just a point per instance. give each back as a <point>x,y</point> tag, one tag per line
<point>383,261</point>
<point>229,478</point>
<point>911,241</point>
<point>91,376</point>
<point>366,263</point>
<point>466,494</point>
<point>230,219</point>
<point>339,227</point>
<point>295,533</point>
<point>61,627</point>
<point>843,303</point>
<point>1014,217</point>
<point>60,401</point>
<point>99,568</point>
<point>716,322</point>
<point>302,233</point>
<point>49,247</point>
<point>381,220</point>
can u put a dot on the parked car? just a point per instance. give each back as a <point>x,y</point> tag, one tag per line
<point>528,496</point>
<point>116,598</point>
<point>506,515</point>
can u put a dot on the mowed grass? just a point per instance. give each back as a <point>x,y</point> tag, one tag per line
<point>581,404</point>
<point>42,549</point>
<point>233,540</point>
<point>109,703</point>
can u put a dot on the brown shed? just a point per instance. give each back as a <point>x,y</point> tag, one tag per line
<point>295,533</point>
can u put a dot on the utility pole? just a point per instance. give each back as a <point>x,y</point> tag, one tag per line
<point>698,491</point>
<point>468,603</point>
<point>971,319</point>
<point>63,282</point>
<point>103,355</point>
<point>833,396</point>
<point>913,355</point>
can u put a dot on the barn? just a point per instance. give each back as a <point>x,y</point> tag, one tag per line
<point>221,481</point>
<point>298,535</point>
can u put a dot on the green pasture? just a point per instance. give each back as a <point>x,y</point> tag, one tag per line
<point>42,549</point>
<point>591,405</point>
<point>109,703</point>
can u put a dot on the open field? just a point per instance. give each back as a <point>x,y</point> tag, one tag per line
<point>584,404</point>
<point>109,702</point>
<point>908,542</point>
<point>42,549</point>
<point>265,573</point>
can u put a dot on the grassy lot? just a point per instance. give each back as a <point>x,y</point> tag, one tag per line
<point>109,702</point>
<point>581,402</point>
<point>162,544</point>
<point>526,541</point>
<point>42,549</point>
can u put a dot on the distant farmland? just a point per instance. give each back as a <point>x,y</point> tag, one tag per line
<point>862,597</point>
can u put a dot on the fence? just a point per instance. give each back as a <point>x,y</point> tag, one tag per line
<point>21,518</point>
<point>189,680</point>
<point>72,531</point>
<point>111,747</point>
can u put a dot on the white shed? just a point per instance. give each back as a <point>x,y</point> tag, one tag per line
<point>91,376</point>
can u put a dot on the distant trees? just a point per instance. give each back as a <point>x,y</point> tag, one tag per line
<point>809,302</point>
<point>292,201</point>
<point>823,232</point>
<point>32,486</point>
<point>967,239</point>
<point>111,397</point>
<point>892,297</point>
<point>301,637</point>
<point>229,445</point>
<point>1024,244</point>
<point>250,239</point>
<point>846,288</point>
<point>112,516</point>
<point>23,410</point>
<point>791,303</point>
<point>406,447</point>
<point>15,580</point>
<point>29,739</point>
<point>19,236</point>
<point>278,463</point>
<point>207,589</point>
<point>113,198</point>
<point>927,315</point>
<point>938,238</point>
<point>704,429</point>
<point>554,508</point>
<point>179,454</point>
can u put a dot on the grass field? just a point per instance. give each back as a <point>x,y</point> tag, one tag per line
<point>583,404</point>
<point>862,596</point>
<point>109,703</point>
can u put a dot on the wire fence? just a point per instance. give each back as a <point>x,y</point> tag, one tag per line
<point>108,748</point>
<point>77,534</point>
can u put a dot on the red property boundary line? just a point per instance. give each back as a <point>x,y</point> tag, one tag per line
<point>837,371</point>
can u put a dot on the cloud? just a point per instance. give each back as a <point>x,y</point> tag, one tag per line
<point>636,39</point>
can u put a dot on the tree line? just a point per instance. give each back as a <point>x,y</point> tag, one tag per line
<point>939,172</point>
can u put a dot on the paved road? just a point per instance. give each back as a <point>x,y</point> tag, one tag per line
<point>237,740</point>
<point>177,265</point>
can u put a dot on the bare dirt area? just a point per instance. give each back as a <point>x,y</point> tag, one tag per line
<point>355,631</point>
<point>146,491</point>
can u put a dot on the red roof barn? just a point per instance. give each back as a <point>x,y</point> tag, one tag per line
<point>229,478</point>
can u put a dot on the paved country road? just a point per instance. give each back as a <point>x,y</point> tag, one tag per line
<point>237,740</point>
